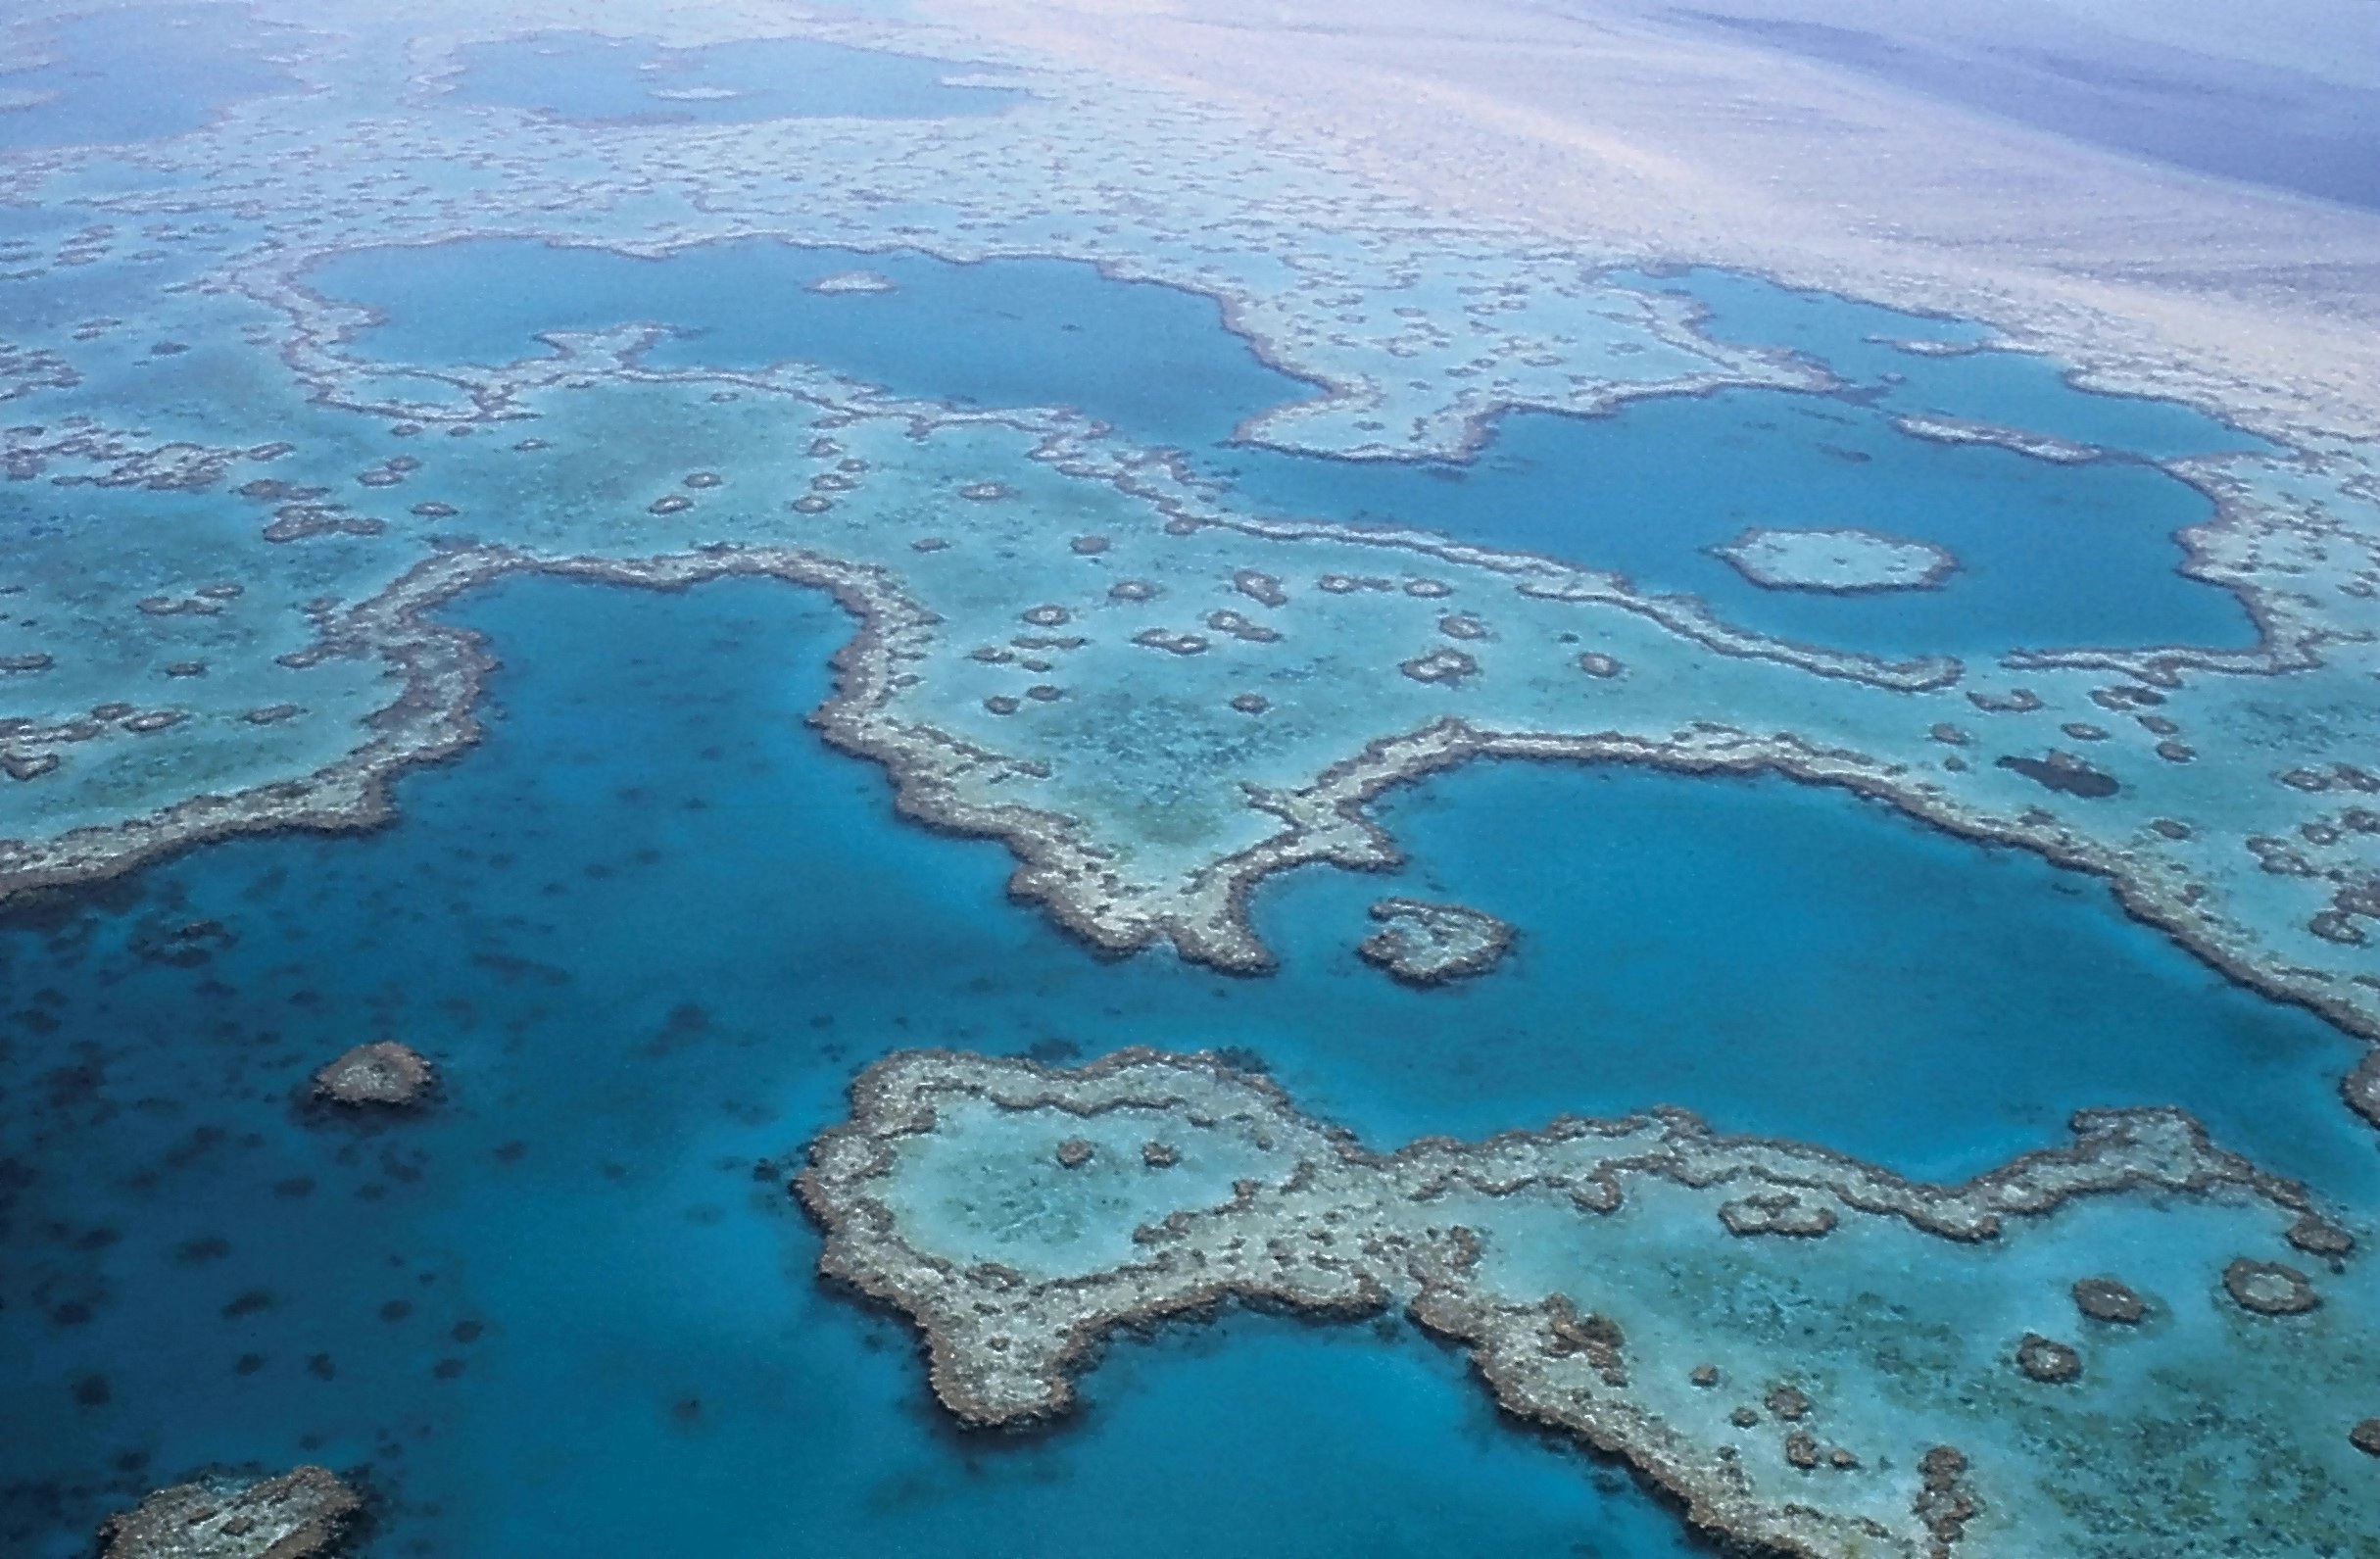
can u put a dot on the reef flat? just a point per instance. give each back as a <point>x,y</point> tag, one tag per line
<point>1843,561</point>
<point>1810,1354</point>
<point>298,1515</point>
<point>1429,944</point>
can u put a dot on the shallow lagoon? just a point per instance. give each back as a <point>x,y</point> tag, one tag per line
<point>1007,332</point>
<point>2051,555</point>
<point>593,77</point>
<point>650,928</point>
<point>1859,343</point>
<point>134,75</point>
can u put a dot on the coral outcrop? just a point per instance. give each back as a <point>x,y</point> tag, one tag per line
<point>1422,942</point>
<point>302,1514</point>
<point>383,1075</point>
<point>1841,561</point>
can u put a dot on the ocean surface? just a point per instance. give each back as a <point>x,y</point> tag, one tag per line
<point>650,929</point>
<point>93,78</point>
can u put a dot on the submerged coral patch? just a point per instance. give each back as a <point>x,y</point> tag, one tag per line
<point>1428,944</point>
<point>381,1075</point>
<point>1841,561</point>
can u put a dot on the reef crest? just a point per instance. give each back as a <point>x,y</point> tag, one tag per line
<point>1610,1278</point>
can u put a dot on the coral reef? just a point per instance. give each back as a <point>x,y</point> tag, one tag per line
<point>2036,446</point>
<point>382,1075</point>
<point>2048,1362</point>
<point>844,283</point>
<point>362,481</point>
<point>1594,1274</point>
<point>2105,1299</point>
<point>2361,1088</point>
<point>298,1515</point>
<point>1429,944</point>
<point>1845,561</point>
<point>2269,1288</point>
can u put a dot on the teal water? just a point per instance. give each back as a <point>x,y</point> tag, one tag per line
<point>593,78</point>
<point>134,73</point>
<point>2015,389</point>
<point>2048,554</point>
<point>1007,332</point>
<point>2051,555</point>
<point>649,929</point>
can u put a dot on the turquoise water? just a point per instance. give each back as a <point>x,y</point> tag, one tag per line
<point>135,74</point>
<point>2048,554</point>
<point>593,77</point>
<point>649,929</point>
<point>2015,389</point>
<point>1007,332</point>
<point>2051,555</point>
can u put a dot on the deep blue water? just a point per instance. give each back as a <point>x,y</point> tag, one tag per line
<point>593,77</point>
<point>2051,555</point>
<point>135,74</point>
<point>650,929</point>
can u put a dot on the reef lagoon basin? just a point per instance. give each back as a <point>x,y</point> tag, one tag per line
<point>926,782</point>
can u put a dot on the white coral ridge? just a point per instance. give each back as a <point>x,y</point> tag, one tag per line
<point>1842,561</point>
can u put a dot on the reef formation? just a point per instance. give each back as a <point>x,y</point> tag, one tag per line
<point>1845,561</point>
<point>382,1075</point>
<point>242,516</point>
<point>271,667</point>
<point>2361,1089</point>
<point>1812,1355</point>
<point>1429,944</point>
<point>996,701</point>
<point>303,1514</point>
